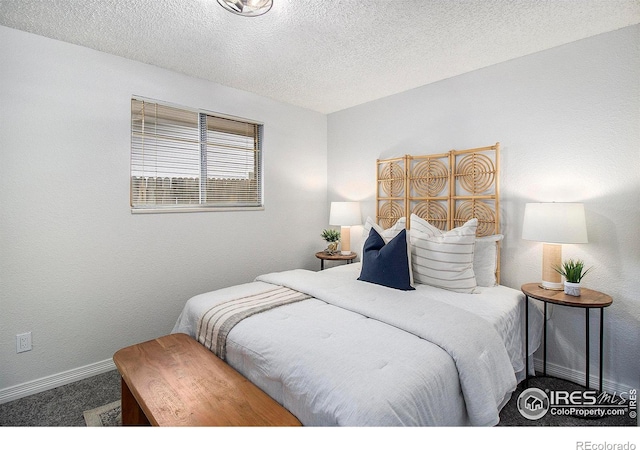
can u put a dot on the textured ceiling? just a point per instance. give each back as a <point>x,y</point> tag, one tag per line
<point>325,55</point>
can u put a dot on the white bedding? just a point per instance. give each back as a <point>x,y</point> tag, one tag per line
<point>358,355</point>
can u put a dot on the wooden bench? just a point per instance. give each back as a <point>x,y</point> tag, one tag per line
<point>175,381</point>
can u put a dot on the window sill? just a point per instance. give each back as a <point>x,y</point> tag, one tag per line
<point>160,210</point>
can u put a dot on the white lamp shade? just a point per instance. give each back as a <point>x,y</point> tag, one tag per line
<point>558,223</point>
<point>345,214</point>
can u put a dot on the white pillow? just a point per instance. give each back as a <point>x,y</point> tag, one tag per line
<point>485,260</point>
<point>387,235</point>
<point>443,259</point>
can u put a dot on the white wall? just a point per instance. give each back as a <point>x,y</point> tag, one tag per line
<point>568,120</point>
<point>87,277</point>
<point>76,267</point>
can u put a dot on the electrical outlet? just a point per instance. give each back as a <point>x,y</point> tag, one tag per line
<point>23,342</point>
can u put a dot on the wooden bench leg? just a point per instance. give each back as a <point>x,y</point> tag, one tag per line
<point>132,414</point>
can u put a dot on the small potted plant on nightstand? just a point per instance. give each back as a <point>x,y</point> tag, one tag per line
<point>573,272</point>
<point>332,237</point>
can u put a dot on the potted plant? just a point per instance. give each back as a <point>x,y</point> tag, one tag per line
<point>332,237</point>
<point>573,272</point>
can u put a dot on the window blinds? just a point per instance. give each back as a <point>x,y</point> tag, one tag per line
<point>193,159</point>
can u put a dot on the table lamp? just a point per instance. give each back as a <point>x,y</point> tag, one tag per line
<point>345,214</point>
<point>554,224</point>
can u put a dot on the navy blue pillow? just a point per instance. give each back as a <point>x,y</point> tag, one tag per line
<point>386,264</point>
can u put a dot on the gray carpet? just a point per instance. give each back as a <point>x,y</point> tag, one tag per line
<point>64,406</point>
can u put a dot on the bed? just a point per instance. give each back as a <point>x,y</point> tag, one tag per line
<point>343,347</point>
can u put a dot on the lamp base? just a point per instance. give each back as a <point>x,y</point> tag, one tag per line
<point>551,258</point>
<point>345,240</point>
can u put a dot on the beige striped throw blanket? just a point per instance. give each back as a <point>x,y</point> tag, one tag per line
<point>217,322</point>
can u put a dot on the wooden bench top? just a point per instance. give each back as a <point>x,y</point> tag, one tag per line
<point>175,381</point>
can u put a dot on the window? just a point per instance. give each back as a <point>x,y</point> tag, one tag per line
<point>185,159</point>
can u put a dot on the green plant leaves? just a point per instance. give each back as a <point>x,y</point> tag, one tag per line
<point>573,271</point>
<point>330,235</point>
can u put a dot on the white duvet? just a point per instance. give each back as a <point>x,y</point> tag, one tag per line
<point>360,354</point>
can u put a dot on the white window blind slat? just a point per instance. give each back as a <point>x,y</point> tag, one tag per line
<point>193,158</point>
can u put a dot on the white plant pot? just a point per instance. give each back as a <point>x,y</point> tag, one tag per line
<point>572,289</point>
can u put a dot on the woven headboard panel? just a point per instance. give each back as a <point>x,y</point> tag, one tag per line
<point>446,189</point>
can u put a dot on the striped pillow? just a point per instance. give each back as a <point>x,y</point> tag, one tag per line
<point>443,259</point>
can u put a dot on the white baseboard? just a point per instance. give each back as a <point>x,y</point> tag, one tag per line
<point>579,377</point>
<point>60,379</point>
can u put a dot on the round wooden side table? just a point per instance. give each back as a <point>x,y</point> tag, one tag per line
<point>324,256</point>
<point>588,299</point>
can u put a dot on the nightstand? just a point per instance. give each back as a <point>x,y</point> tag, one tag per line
<point>324,256</point>
<point>587,300</point>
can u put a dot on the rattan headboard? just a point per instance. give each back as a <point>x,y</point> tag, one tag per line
<point>446,189</point>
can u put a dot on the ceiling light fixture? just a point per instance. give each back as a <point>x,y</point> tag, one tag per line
<point>248,8</point>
